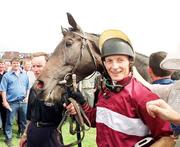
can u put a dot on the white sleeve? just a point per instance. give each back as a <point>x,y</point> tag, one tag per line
<point>163,91</point>
<point>170,93</point>
<point>174,96</point>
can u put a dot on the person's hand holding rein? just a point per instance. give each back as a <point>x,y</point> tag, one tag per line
<point>79,98</point>
<point>161,109</point>
<point>70,108</point>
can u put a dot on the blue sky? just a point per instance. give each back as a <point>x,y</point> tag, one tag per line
<point>35,25</point>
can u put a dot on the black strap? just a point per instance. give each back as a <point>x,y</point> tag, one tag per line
<point>41,124</point>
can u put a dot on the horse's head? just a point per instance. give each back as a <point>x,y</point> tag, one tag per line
<point>77,53</point>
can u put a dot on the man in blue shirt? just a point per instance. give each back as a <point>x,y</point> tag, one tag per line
<point>15,91</point>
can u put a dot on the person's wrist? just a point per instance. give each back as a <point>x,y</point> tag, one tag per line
<point>83,101</point>
<point>176,120</point>
<point>24,135</point>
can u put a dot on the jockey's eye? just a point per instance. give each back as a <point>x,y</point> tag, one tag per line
<point>68,43</point>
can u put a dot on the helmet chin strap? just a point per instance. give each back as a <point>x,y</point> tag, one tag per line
<point>113,86</point>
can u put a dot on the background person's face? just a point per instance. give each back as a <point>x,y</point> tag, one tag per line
<point>27,65</point>
<point>15,65</point>
<point>38,64</point>
<point>2,67</point>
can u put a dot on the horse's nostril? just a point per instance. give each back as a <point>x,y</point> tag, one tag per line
<point>40,85</point>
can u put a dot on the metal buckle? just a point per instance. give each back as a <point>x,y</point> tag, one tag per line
<point>144,142</point>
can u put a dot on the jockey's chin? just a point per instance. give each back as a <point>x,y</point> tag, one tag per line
<point>117,77</point>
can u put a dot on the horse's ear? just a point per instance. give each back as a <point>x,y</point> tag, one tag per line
<point>72,22</point>
<point>63,30</point>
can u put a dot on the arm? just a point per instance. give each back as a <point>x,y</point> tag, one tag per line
<point>24,136</point>
<point>159,108</point>
<point>5,102</point>
<point>27,96</point>
<point>162,127</point>
<point>89,111</point>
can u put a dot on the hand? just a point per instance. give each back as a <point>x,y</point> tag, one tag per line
<point>25,100</point>
<point>161,109</point>
<point>6,105</point>
<point>22,141</point>
<point>70,108</point>
<point>78,97</point>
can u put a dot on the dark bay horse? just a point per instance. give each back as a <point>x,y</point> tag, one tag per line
<point>77,53</point>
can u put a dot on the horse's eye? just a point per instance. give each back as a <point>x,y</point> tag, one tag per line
<point>68,43</point>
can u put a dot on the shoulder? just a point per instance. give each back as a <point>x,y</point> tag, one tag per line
<point>9,73</point>
<point>137,85</point>
<point>7,76</point>
<point>140,92</point>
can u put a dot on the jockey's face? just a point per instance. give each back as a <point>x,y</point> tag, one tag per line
<point>117,66</point>
<point>38,64</point>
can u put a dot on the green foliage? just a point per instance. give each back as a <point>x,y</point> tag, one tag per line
<point>88,141</point>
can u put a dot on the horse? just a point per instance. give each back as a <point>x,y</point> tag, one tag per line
<point>77,53</point>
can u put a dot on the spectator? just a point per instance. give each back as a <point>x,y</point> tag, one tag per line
<point>15,91</point>
<point>157,74</point>
<point>161,76</point>
<point>2,108</point>
<point>44,117</point>
<point>8,66</point>
<point>27,67</point>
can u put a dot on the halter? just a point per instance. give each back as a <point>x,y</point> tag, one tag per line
<point>85,43</point>
<point>80,113</point>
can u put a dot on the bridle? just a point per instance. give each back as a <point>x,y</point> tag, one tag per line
<point>85,44</point>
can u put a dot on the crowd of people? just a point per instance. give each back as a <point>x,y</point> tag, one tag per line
<point>126,110</point>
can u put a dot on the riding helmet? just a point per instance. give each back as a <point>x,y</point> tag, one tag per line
<point>114,42</point>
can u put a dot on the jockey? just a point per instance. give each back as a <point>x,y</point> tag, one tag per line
<point>120,115</point>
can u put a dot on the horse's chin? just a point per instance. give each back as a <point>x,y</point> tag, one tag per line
<point>55,95</point>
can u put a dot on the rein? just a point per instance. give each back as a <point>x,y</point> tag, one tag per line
<point>78,118</point>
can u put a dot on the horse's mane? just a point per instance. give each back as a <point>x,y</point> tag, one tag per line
<point>143,59</point>
<point>97,35</point>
